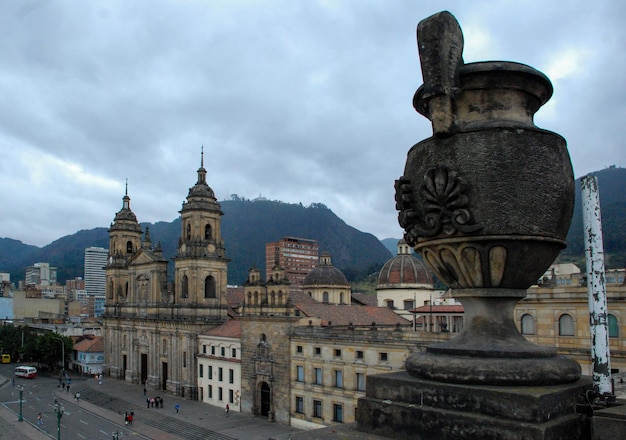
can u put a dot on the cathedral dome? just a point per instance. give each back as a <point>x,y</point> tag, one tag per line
<point>404,269</point>
<point>325,274</point>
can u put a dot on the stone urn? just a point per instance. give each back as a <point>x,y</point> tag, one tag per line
<point>487,202</point>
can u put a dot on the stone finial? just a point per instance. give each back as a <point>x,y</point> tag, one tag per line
<point>440,45</point>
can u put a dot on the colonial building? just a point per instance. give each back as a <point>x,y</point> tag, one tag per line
<point>219,366</point>
<point>556,313</point>
<point>150,331</point>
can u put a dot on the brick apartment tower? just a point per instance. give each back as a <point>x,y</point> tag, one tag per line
<point>296,256</point>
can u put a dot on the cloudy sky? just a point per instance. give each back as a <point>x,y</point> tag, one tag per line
<point>298,101</point>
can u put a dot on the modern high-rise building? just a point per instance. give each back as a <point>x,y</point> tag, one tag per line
<point>297,256</point>
<point>41,274</point>
<point>95,275</point>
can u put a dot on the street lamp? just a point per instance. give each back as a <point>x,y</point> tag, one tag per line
<point>62,354</point>
<point>58,409</point>
<point>20,388</point>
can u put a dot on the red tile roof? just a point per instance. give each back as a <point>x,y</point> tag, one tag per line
<point>366,299</point>
<point>90,345</point>
<point>454,308</point>
<point>355,315</point>
<point>230,329</point>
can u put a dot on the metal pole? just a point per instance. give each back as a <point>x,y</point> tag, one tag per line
<point>596,289</point>
<point>59,410</point>
<point>21,390</point>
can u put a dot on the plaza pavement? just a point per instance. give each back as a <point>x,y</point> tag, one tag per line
<point>195,420</point>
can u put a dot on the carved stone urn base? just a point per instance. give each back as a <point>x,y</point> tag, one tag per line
<point>400,406</point>
<point>490,350</point>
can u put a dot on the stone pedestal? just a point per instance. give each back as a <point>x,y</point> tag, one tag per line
<point>401,406</point>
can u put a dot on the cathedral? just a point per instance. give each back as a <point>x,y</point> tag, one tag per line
<point>150,326</point>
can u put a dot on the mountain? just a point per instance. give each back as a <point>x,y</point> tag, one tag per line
<point>611,185</point>
<point>246,227</point>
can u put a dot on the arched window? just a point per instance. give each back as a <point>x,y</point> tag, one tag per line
<point>280,297</point>
<point>110,290</point>
<point>188,231</point>
<point>256,298</point>
<point>325,297</point>
<point>185,287</point>
<point>207,232</point>
<point>249,298</point>
<point>341,298</point>
<point>528,324</point>
<point>613,327</point>
<point>129,247</point>
<point>209,287</point>
<point>566,325</point>
<point>126,291</point>
<point>273,298</point>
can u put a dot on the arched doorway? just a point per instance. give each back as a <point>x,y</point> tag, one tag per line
<point>265,399</point>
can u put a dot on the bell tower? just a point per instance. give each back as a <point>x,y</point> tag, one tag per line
<point>200,262</point>
<point>124,242</point>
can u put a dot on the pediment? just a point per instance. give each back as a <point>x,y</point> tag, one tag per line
<point>142,257</point>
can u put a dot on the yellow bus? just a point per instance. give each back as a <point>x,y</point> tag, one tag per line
<point>5,358</point>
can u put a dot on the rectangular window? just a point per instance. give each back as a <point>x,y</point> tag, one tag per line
<point>338,379</point>
<point>317,351</point>
<point>201,372</point>
<point>382,356</point>
<point>220,395</point>
<point>337,413</point>
<point>360,381</point>
<point>300,373</point>
<point>231,396</point>
<point>318,376</point>
<point>220,374</point>
<point>299,349</point>
<point>317,409</point>
<point>231,375</point>
<point>234,353</point>
<point>213,350</point>
<point>223,351</point>
<point>359,354</point>
<point>337,352</point>
<point>184,359</point>
<point>299,405</point>
<point>210,371</point>
<point>408,304</point>
<point>203,349</point>
<point>210,391</point>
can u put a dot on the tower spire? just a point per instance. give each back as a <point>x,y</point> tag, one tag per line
<point>201,170</point>
<point>126,199</point>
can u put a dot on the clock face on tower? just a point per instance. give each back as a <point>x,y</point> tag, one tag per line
<point>211,248</point>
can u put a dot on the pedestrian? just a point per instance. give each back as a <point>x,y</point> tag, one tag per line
<point>177,407</point>
<point>68,387</point>
<point>39,420</point>
<point>227,408</point>
<point>144,390</point>
<point>161,402</point>
<point>77,396</point>
<point>130,418</point>
<point>125,418</point>
<point>148,402</point>
<point>13,381</point>
<point>152,402</point>
<point>100,380</point>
